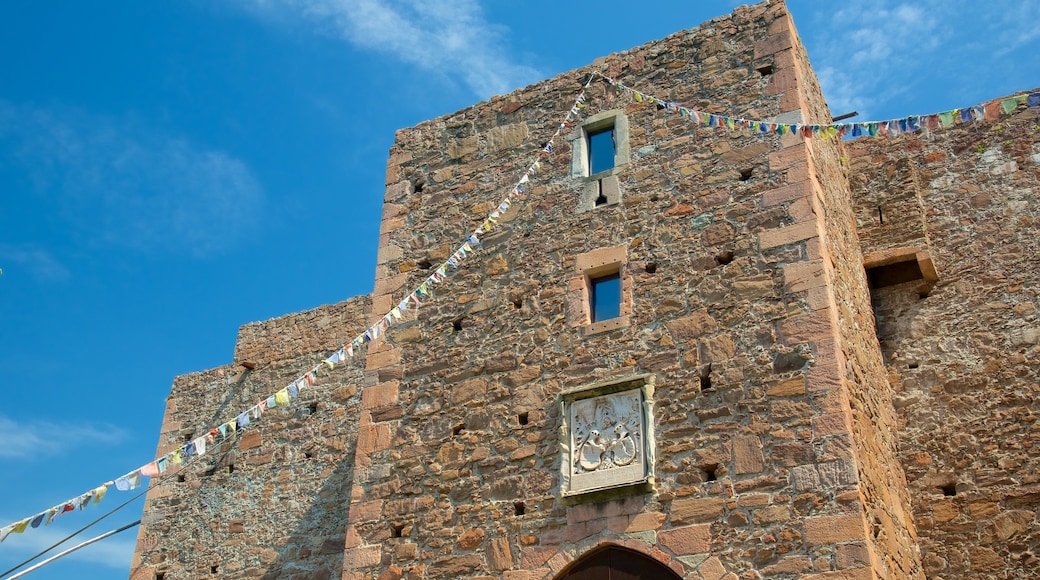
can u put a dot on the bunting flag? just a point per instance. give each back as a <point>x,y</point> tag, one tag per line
<point>989,111</point>
<point>284,396</point>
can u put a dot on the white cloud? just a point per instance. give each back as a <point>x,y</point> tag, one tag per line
<point>38,262</point>
<point>444,37</point>
<point>112,552</point>
<point>119,182</point>
<point>870,54</point>
<point>38,439</point>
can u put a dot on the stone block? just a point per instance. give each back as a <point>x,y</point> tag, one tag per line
<point>823,530</point>
<point>782,236</point>
<point>687,540</point>
<point>698,510</point>
<point>747,455</point>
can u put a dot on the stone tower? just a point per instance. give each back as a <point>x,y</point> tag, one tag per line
<point>663,356</point>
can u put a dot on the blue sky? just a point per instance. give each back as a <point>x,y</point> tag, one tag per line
<point>172,170</point>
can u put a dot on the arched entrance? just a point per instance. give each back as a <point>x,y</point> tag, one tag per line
<point>617,563</point>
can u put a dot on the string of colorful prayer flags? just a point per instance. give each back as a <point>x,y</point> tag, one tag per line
<point>284,396</point>
<point>991,110</point>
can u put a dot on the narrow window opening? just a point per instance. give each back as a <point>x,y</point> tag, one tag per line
<point>880,216</point>
<point>397,531</point>
<point>180,478</point>
<point>923,294</point>
<point>913,365</point>
<point>950,489</point>
<point>711,472</point>
<point>655,197</point>
<point>651,267</point>
<point>308,455</point>
<point>231,468</point>
<point>417,186</point>
<point>724,257</point>
<point>521,419</point>
<point>705,377</point>
<point>746,174</point>
<point>765,70</point>
<point>605,297</point>
<point>518,303</point>
<point>213,569</point>
<point>457,429</point>
<point>188,437</point>
<point>519,508</point>
<point>456,325</point>
<point>602,148</point>
<point>160,576</point>
<point>424,263</point>
<point>312,407</point>
<point>601,199</point>
<point>896,273</point>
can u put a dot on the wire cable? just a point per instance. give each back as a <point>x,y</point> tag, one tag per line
<point>73,549</point>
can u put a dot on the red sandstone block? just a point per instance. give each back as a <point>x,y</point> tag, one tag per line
<point>373,438</point>
<point>250,439</point>
<point>832,424</point>
<point>646,521</point>
<point>774,44</point>
<point>789,157</point>
<point>791,234</point>
<point>361,557</point>
<point>790,192</point>
<point>381,395</point>
<point>811,327</point>
<point>783,81</point>
<point>697,510</point>
<point>800,276</point>
<point>379,360</point>
<point>822,530</point>
<point>747,455</point>
<point>687,540</point>
<point>366,511</point>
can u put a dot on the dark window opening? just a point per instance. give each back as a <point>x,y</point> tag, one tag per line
<point>912,365</point>
<point>231,468</point>
<point>456,325</point>
<point>892,274</point>
<point>651,267</point>
<point>950,489</point>
<point>746,173</point>
<point>880,216</point>
<point>765,70</point>
<point>213,569</point>
<point>160,576</point>
<point>188,437</point>
<point>521,419</point>
<point>602,147</point>
<point>519,508</point>
<point>601,199</point>
<point>312,407</point>
<point>417,186</point>
<point>605,297</point>
<point>424,263</point>
<point>397,531</point>
<point>705,377</point>
<point>518,303</point>
<point>308,455</point>
<point>180,478</point>
<point>711,472</point>
<point>458,429</point>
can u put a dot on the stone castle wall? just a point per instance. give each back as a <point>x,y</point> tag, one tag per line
<point>807,418</point>
<point>962,355</point>
<point>718,238</point>
<point>269,502</point>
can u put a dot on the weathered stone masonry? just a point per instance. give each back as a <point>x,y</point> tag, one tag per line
<point>785,419</point>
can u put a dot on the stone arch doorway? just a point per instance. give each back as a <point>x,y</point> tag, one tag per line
<point>617,563</point>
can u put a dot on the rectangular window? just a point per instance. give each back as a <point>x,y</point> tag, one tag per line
<point>605,297</point>
<point>602,148</point>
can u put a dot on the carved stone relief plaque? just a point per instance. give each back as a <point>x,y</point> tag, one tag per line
<point>604,438</point>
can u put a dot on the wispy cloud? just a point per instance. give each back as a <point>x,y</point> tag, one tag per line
<point>38,439</point>
<point>119,182</point>
<point>112,552</point>
<point>39,263</point>
<point>445,37</point>
<point>872,54</point>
